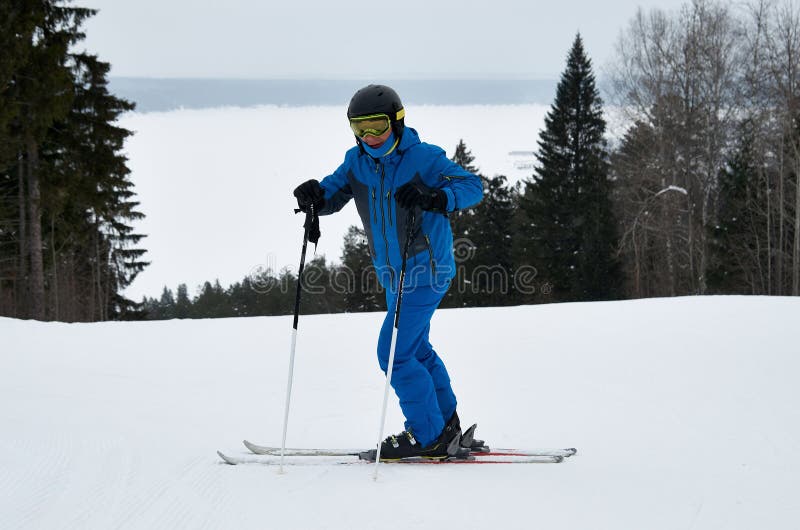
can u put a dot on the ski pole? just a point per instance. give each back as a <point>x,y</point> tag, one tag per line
<point>308,225</point>
<point>409,233</point>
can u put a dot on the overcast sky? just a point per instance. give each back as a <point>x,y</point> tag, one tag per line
<point>329,39</point>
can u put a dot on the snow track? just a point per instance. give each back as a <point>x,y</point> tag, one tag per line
<point>684,411</point>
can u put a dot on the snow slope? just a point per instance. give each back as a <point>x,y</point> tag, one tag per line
<point>685,413</point>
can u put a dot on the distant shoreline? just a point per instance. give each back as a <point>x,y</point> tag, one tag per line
<point>164,94</point>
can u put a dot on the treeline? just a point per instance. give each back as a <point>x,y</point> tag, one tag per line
<point>264,293</point>
<point>697,193</point>
<point>67,248</point>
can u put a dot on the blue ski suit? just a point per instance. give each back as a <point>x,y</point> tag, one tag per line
<point>419,376</point>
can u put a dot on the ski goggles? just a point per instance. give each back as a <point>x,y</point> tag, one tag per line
<point>373,124</point>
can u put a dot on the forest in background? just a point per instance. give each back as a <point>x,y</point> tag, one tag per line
<point>67,245</point>
<point>699,195</point>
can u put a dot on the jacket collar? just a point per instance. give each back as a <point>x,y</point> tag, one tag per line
<point>409,139</point>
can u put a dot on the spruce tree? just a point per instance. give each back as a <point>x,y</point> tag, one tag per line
<point>464,158</point>
<point>183,305</point>
<point>491,272</point>
<point>167,304</point>
<point>737,255</point>
<point>150,308</point>
<point>356,277</point>
<point>44,89</point>
<point>212,302</point>
<point>99,196</point>
<point>569,231</point>
<point>318,297</point>
<point>93,117</point>
<point>66,203</point>
<point>18,21</point>
<point>462,223</point>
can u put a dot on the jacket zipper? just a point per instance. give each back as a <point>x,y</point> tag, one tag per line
<point>374,205</point>
<point>389,205</point>
<point>430,254</point>
<point>383,225</point>
<point>451,177</point>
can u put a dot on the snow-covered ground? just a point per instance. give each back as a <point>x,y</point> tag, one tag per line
<point>685,412</point>
<point>216,184</point>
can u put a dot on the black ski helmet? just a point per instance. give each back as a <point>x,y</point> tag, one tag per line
<point>378,99</point>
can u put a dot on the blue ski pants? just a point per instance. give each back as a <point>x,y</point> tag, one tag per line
<point>419,377</point>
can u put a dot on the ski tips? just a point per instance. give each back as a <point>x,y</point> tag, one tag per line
<point>226,459</point>
<point>251,446</point>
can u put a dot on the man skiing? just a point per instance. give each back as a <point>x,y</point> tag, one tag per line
<point>394,178</point>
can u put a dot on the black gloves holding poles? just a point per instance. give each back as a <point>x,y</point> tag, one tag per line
<point>414,194</point>
<point>407,196</point>
<point>310,193</point>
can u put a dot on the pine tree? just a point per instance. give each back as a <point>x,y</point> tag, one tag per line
<point>462,223</point>
<point>18,21</point>
<point>183,305</point>
<point>93,116</point>
<point>44,89</point>
<point>318,296</point>
<point>464,158</point>
<point>92,190</point>
<point>357,278</point>
<point>636,175</point>
<point>569,233</point>
<point>737,256</point>
<point>167,304</point>
<point>151,309</point>
<point>212,302</point>
<point>491,273</point>
<point>65,198</point>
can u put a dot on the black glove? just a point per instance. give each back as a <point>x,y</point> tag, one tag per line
<point>310,193</point>
<point>414,194</point>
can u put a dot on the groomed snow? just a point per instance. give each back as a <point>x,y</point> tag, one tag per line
<point>685,412</point>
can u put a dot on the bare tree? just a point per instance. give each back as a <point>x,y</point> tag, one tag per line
<point>771,101</point>
<point>676,74</point>
<point>783,44</point>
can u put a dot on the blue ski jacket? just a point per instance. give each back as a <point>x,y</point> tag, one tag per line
<point>373,182</point>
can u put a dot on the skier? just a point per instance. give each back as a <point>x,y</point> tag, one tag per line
<point>390,172</point>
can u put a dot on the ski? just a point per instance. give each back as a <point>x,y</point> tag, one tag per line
<point>482,452</point>
<point>276,451</point>
<point>564,453</point>
<point>353,459</point>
